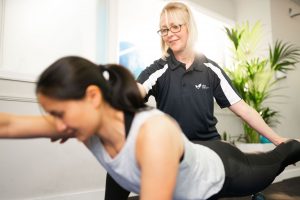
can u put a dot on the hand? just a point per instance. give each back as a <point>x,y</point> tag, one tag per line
<point>62,140</point>
<point>281,140</point>
<point>65,135</point>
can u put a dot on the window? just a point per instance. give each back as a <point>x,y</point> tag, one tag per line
<point>138,41</point>
<point>38,32</point>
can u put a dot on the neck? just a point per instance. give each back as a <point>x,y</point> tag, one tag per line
<point>187,57</point>
<point>112,130</point>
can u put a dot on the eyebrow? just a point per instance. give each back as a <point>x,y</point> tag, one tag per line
<point>55,113</point>
<point>170,24</point>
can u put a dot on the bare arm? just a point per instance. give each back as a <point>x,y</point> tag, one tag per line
<point>253,119</point>
<point>15,126</point>
<point>158,154</point>
<point>141,89</point>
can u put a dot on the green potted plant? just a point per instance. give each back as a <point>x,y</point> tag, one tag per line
<point>256,76</point>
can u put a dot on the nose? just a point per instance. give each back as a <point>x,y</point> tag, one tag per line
<point>60,125</point>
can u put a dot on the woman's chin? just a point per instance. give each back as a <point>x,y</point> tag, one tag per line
<point>176,49</point>
<point>82,138</point>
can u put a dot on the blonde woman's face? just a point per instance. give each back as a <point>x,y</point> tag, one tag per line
<point>177,41</point>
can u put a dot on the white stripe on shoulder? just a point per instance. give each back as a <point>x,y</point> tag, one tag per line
<point>229,92</point>
<point>148,84</point>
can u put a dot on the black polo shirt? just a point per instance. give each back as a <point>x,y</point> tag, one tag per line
<point>188,95</point>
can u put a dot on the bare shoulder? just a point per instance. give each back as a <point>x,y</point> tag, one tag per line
<point>159,141</point>
<point>161,123</point>
<point>160,130</point>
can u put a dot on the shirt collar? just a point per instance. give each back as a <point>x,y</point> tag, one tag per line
<point>172,62</point>
<point>198,63</point>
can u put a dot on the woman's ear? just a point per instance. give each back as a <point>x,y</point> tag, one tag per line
<point>93,95</point>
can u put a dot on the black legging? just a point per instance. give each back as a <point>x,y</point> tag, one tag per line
<point>113,191</point>
<point>249,173</point>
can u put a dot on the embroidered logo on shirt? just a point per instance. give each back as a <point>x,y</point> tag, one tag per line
<point>201,86</point>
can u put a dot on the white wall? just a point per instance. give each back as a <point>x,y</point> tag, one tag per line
<point>287,29</point>
<point>43,31</point>
<point>41,169</point>
<point>253,11</point>
<point>224,8</point>
<point>35,34</point>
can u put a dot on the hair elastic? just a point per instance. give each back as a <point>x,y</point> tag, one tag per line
<point>105,74</point>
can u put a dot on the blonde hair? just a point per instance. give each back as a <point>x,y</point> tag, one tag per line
<point>182,15</point>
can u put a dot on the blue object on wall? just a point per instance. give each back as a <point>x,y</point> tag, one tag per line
<point>130,58</point>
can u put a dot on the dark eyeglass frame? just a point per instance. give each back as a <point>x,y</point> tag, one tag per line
<point>165,31</point>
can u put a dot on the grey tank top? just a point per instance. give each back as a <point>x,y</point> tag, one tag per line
<point>201,172</point>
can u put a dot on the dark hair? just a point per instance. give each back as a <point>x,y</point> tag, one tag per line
<point>68,78</point>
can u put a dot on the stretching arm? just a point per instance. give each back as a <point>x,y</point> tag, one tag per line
<point>253,119</point>
<point>15,126</point>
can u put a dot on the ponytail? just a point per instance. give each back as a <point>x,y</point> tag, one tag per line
<point>123,92</point>
<point>69,77</point>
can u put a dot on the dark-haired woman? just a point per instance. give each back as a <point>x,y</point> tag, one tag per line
<point>106,112</point>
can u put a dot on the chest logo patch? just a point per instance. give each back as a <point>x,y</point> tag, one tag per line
<point>201,86</point>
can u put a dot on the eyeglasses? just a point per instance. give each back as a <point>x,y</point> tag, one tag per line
<point>174,29</point>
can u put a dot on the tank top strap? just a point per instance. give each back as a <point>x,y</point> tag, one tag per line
<point>128,121</point>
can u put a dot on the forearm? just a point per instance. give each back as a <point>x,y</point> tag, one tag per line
<point>13,126</point>
<point>255,121</point>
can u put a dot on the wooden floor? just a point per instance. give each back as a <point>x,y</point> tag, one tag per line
<point>285,190</point>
